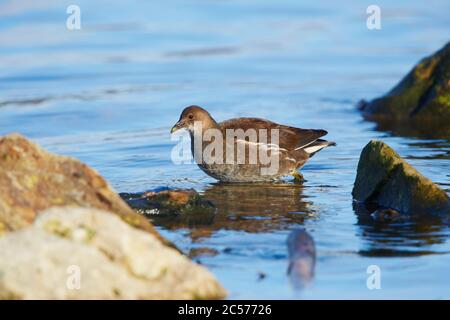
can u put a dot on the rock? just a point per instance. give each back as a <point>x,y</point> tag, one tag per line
<point>32,179</point>
<point>384,178</point>
<point>82,253</point>
<point>169,202</point>
<point>423,93</point>
<point>173,207</point>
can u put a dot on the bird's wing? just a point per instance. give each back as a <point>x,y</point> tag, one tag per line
<point>290,138</point>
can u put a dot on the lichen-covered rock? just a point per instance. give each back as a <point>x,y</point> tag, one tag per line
<point>384,178</point>
<point>32,179</point>
<point>423,93</point>
<point>81,253</point>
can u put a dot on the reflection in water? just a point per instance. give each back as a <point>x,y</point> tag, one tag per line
<point>415,128</point>
<point>439,149</point>
<point>245,207</point>
<point>302,258</point>
<point>402,236</point>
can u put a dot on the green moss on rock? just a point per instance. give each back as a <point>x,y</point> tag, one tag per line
<point>384,178</point>
<point>422,93</point>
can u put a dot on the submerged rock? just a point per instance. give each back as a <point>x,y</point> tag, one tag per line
<point>169,202</point>
<point>424,93</point>
<point>388,215</point>
<point>173,207</point>
<point>302,258</point>
<point>384,178</point>
<point>32,179</point>
<point>81,253</point>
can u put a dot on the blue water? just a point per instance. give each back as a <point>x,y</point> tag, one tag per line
<point>109,93</point>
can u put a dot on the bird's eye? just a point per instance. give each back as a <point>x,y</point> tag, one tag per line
<point>191,116</point>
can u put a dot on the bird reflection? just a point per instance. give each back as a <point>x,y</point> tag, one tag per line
<point>245,207</point>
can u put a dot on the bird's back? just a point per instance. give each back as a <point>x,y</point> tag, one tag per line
<point>290,138</point>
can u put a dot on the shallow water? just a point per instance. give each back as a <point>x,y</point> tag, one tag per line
<point>108,94</point>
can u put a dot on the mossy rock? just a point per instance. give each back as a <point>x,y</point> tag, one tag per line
<point>423,93</point>
<point>384,178</point>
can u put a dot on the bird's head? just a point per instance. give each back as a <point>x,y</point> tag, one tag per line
<point>190,115</point>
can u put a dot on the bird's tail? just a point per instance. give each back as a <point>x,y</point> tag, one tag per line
<point>318,145</point>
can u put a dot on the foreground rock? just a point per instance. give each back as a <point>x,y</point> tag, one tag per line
<point>80,253</point>
<point>424,93</point>
<point>32,179</point>
<point>384,178</point>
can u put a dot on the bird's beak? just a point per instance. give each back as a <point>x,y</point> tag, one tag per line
<point>176,127</point>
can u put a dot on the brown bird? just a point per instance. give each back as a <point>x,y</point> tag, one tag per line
<point>229,150</point>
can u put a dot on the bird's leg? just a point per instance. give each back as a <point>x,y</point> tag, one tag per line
<point>298,177</point>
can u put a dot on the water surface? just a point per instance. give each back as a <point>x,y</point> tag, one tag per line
<point>109,93</point>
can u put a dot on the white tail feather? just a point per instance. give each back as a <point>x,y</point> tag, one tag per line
<point>315,148</point>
